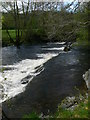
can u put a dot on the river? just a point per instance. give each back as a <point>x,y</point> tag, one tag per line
<point>36,78</point>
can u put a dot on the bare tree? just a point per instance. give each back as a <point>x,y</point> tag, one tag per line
<point>55,19</point>
<point>16,10</point>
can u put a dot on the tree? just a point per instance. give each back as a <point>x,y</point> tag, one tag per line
<point>43,21</point>
<point>82,18</point>
<point>15,11</point>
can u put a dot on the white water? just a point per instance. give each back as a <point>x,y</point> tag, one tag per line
<point>61,43</point>
<point>10,80</point>
<point>53,48</point>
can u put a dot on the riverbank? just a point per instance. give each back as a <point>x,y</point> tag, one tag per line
<point>79,109</point>
<point>70,107</point>
<point>34,41</point>
<point>60,78</point>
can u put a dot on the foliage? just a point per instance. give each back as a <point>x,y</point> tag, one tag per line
<point>13,15</point>
<point>40,25</point>
<point>31,116</point>
<point>82,19</point>
<point>81,111</point>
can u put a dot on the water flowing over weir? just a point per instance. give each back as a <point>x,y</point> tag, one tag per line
<point>54,74</point>
<point>21,66</point>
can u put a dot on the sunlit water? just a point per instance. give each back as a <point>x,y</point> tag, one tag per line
<point>19,67</point>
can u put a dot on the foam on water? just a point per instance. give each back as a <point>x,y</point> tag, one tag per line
<point>61,43</point>
<point>10,79</point>
<point>62,48</point>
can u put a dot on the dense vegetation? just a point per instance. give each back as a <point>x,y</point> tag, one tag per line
<point>42,25</point>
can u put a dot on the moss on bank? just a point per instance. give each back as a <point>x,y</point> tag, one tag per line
<point>81,111</point>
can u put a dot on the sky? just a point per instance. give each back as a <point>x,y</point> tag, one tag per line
<point>45,0</point>
<point>65,1</point>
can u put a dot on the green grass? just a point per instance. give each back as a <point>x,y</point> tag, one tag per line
<point>12,33</point>
<point>81,111</point>
<point>5,37</point>
<point>31,116</point>
<point>82,39</point>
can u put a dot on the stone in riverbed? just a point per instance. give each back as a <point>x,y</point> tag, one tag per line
<point>26,79</point>
<point>86,77</point>
<point>66,49</point>
<point>68,46</point>
<point>70,103</point>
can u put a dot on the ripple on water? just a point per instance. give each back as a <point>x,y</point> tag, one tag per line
<point>20,67</point>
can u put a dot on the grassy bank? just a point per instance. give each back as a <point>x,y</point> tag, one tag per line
<point>80,111</point>
<point>31,38</point>
<point>5,37</point>
<point>82,43</point>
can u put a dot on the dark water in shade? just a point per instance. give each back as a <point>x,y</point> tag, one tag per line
<point>59,79</point>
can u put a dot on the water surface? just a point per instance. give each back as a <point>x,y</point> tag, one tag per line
<point>61,75</point>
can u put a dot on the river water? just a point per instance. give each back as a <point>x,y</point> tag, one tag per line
<point>37,78</point>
